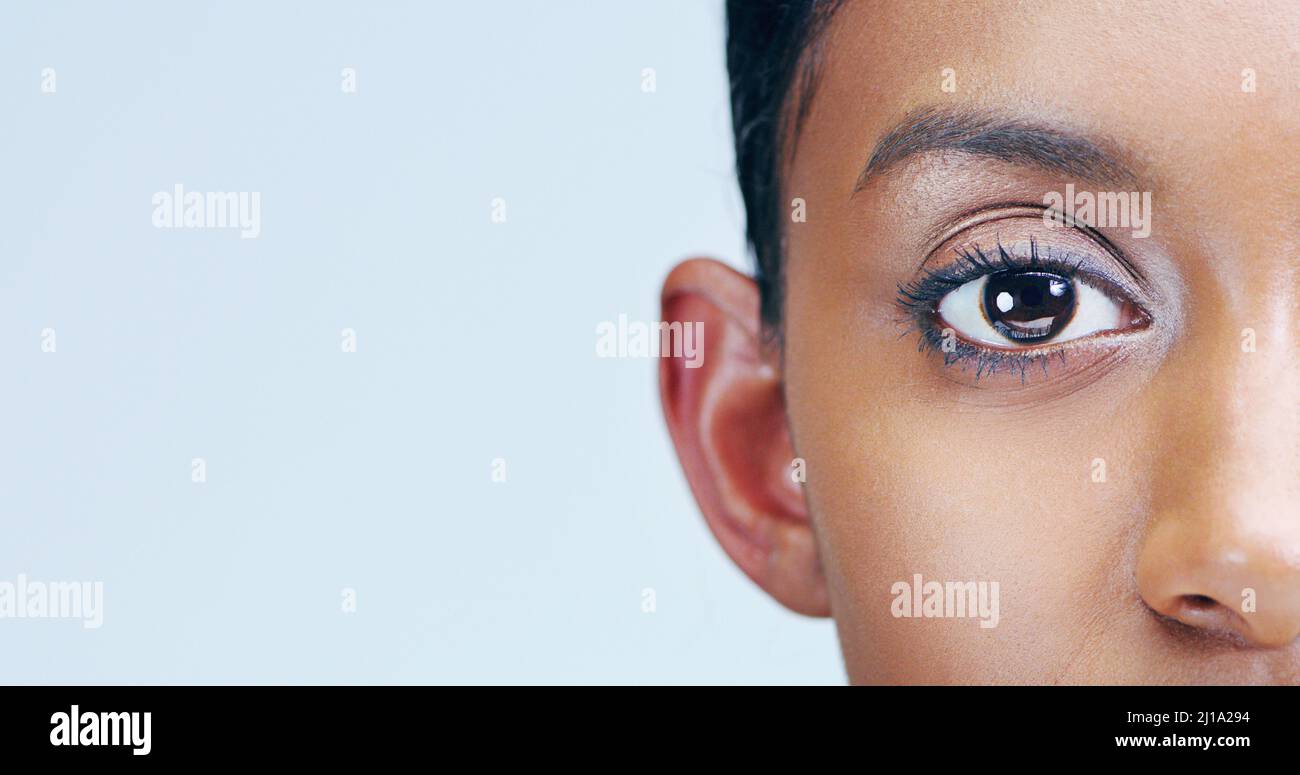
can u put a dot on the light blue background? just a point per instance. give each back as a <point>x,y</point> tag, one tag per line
<point>476,340</point>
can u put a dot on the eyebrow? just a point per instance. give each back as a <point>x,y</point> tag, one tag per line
<point>997,136</point>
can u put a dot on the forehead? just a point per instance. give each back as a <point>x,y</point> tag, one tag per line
<point>1164,80</point>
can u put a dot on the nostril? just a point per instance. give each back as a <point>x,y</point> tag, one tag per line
<point>1206,614</point>
<point>1203,611</point>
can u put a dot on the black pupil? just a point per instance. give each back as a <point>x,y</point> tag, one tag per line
<point>1028,306</point>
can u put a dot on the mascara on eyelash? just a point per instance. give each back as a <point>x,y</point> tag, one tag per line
<point>985,361</point>
<point>973,263</point>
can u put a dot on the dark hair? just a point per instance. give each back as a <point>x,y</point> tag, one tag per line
<point>772,53</point>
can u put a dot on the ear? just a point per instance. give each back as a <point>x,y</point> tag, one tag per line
<point>727,419</point>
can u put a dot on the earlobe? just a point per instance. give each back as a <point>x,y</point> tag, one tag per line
<point>728,422</point>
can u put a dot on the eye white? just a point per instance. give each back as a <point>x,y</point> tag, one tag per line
<point>963,309</point>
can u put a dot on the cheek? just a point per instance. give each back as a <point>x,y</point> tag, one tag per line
<point>904,480</point>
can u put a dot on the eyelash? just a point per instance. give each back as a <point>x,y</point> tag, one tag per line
<point>918,299</point>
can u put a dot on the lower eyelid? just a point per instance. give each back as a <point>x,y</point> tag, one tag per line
<point>974,365</point>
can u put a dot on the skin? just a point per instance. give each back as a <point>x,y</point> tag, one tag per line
<point>917,467</point>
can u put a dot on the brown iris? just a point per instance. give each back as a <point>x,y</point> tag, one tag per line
<point>1029,306</point>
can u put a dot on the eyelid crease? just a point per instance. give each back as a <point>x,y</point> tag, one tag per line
<point>978,216</point>
<point>975,216</point>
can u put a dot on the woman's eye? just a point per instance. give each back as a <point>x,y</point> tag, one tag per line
<point>1022,308</point>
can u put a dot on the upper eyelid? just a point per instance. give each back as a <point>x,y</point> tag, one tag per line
<point>993,213</point>
<point>921,294</point>
<point>975,262</point>
<point>973,218</point>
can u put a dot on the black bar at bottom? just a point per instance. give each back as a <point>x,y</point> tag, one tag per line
<point>331,724</point>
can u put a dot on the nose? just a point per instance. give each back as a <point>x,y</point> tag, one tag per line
<point>1224,576</point>
<point>1221,550</point>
